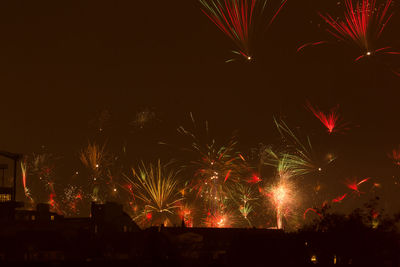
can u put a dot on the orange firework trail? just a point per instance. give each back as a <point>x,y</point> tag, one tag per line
<point>24,174</point>
<point>23,170</point>
<point>24,181</point>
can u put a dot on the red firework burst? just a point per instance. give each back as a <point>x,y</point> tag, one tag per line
<point>330,120</point>
<point>235,18</point>
<point>254,179</point>
<point>339,198</point>
<point>354,185</point>
<point>362,25</point>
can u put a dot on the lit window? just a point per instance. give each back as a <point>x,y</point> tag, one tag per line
<point>5,197</point>
<point>314,259</point>
<point>33,217</point>
<point>52,217</point>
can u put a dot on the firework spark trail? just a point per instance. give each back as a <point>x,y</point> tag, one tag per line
<point>329,120</point>
<point>298,157</point>
<point>362,25</point>
<point>395,156</point>
<point>92,156</point>
<point>24,177</point>
<point>294,141</point>
<point>339,198</point>
<point>129,188</point>
<point>236,19</point>
<point>227,175</point>
<point>23,170</point>
<point>310,44</point>
<point>132,201</point>
<point>312,210</point>
<point>354,185</point>
<point>157,188</point>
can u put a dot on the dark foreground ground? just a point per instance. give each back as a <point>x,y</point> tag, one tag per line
<point>198,247</point>
<point>109,237</point>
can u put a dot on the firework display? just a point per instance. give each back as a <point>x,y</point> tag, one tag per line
<point>210,183</point>
<point>217,169</point>
<point>281,181</point>
<point>237,20</point>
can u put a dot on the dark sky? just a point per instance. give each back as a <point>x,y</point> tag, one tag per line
<point>63,62</point>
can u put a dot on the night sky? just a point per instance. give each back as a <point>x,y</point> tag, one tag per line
<point>64,63</point>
